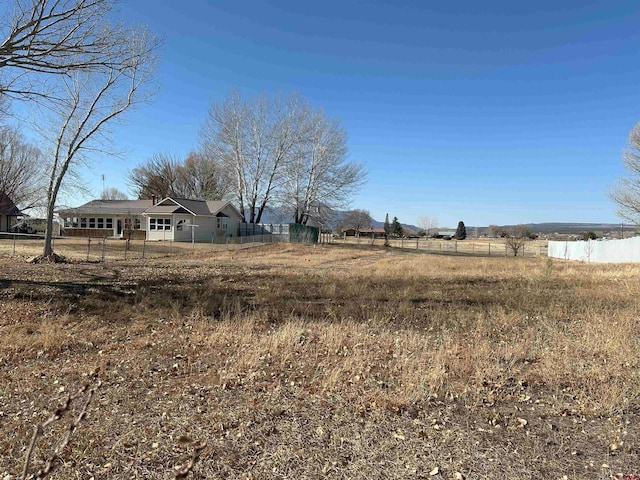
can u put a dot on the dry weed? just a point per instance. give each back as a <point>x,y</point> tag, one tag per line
<point>305,362</point>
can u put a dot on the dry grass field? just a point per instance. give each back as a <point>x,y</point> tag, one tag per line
<point>299,362</point>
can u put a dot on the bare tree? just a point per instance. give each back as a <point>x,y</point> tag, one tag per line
<point>319,178</point>
<point>493,231</point>
<point>428,224</point>
<point>113,194</point>
<point>92,100</point>
<point>20,169</point>
<point>252,141</point>
<point>163,175</point>
<point>627,192</point>
<point>200,177</point>
<point>516,238</point>
<point>158,176</point>
<point>55,37</point>
<point>356,219</point>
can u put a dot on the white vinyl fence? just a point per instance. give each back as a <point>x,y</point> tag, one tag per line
<point>597,251</point>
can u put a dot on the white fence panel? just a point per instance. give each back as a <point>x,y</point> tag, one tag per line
<point>597,251</point>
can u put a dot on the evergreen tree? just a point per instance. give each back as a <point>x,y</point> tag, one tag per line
<point>396,228</point>
<point>387,226</point>
<point>461,231</point>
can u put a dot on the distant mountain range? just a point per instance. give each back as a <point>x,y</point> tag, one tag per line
<point>377,224</point>
<point>543,228</point>
<point>279,216</point>
<point>569,228</point>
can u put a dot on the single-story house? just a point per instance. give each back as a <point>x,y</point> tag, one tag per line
<point>8,213</point>
<point>181,220</point>
<point>372,232</point>
<point>168,219</point>
<point>106,218</point>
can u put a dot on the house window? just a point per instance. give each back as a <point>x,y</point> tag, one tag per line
<point>83,222</point>
<point>92,223</point>
<point>134,224</point>
<point>159,224</point>
<point>109,223</point>
<point>221,223</point>
<point>179,225</point>
<point>100,222</point>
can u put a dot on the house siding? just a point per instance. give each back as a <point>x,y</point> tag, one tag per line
<point>233,223</point>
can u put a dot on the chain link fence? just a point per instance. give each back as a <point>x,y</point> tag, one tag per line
<point>111,249</point>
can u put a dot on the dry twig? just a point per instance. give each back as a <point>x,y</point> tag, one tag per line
<point>184,471</point>
<point>56,415</point>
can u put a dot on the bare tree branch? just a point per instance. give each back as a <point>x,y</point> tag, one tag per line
<point>627,192</point>
<point>252,141</point>
<point>163,175</point>
<point>56,38</point>
<point>113,194</point>
<point>318,178</point>
<point>20,169</point>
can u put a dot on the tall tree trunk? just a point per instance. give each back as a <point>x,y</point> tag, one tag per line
<point>47,251</point>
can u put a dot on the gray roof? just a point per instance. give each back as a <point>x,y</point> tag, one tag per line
<point>109,207</point>
<point>136,207</point>
<point>168,209</point>
<point>206,208</point>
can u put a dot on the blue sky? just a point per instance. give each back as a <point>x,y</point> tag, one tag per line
<point>488,112</point>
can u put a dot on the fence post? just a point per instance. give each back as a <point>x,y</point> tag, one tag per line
<point>489,248</point>
<point>455,246</point>
<point>505,248</point>
<point>14,246</point>
<point>402,242</point>
<point>104,247</point>
<point>417,240</point>
<point>88,247</point>
<point>126,247</point>
<point>144,245</point>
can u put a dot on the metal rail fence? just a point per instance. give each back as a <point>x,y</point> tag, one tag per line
<point>481,247</point>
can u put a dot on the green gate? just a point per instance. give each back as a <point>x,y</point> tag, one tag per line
<point>303,233</point>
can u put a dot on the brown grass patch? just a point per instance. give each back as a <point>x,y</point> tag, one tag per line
<point>305,362</point>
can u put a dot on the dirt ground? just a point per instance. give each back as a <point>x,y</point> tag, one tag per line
<point>301,362</point>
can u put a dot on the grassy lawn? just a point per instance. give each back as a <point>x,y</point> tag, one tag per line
<point>295,362</point>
